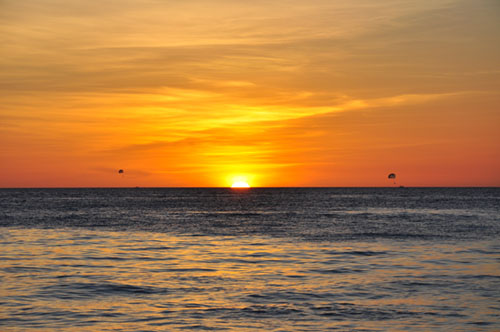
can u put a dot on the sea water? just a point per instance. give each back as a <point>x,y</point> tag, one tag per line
<point>260,259</point>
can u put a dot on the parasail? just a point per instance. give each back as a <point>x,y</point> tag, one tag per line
<point>392,176</point>
<point>120,171</point>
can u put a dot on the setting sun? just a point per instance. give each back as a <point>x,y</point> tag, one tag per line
<point>240,184</point>
<point>240,181</point>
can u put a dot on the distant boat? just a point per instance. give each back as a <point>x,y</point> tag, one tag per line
<point>401,186</point>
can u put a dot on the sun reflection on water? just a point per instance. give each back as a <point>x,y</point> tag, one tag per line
<point>153,281</point>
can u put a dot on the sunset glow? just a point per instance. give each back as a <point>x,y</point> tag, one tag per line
<point>240,184</point>
<point>316,93</point>
<point>240,181</point>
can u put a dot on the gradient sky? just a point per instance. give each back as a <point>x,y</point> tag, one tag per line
<point>278,93</point>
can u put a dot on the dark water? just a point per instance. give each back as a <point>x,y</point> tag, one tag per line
<point>294,259</point>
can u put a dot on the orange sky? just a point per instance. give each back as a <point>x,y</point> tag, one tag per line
<point>278,93</point>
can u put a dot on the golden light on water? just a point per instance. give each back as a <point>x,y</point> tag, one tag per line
<point>153,263</point>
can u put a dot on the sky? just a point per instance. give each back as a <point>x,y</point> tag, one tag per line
<point>275,93</point>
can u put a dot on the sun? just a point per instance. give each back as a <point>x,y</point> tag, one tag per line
<point>240,180</point>
<point>240,184</point>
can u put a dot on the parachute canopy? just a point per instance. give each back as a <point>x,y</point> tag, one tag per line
<point>391,176</point>
<point>120,171</point>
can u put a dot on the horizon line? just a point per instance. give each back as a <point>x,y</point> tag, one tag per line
<point>270,187</point>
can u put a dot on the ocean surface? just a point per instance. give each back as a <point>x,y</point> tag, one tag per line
<point>260,259</point>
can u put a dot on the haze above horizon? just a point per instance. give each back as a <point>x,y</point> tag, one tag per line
<point>281,94</point>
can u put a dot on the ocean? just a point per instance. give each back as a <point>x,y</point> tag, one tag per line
<point>259,259</point>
